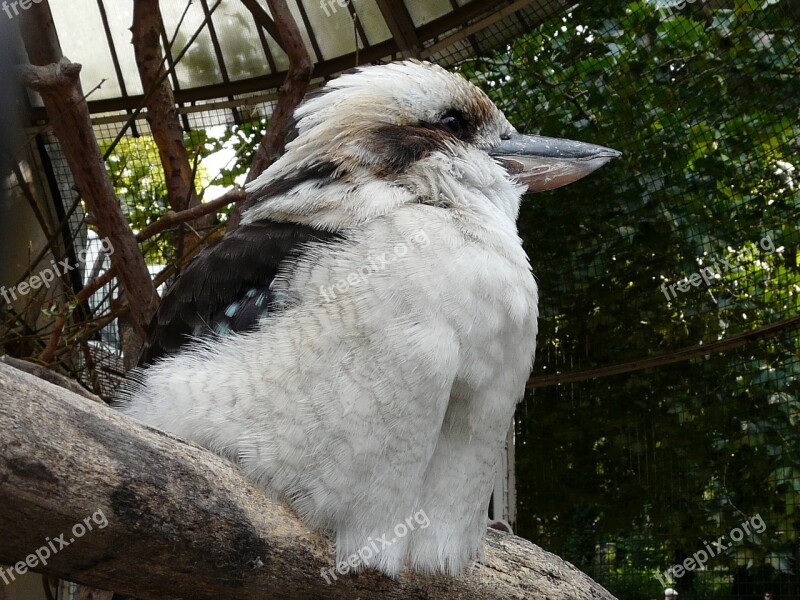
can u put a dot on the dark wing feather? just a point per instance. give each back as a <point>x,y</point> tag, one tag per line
<point>227,287</point>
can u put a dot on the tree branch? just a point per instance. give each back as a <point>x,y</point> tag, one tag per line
<point>181,522</point>
<point>57,80</point>
<point>162,114</point>
<point>51,376</point>
<point>52,341</point>
<point>290,93</point>
<point>262,19</point>
<point>172,218</point>
<point>703,349</point>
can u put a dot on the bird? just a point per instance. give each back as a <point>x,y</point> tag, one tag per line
<point>358,345</point>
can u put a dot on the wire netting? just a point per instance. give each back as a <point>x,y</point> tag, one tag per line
<point>685,474</point>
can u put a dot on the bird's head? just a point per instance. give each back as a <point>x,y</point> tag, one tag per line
<point>403,132</point>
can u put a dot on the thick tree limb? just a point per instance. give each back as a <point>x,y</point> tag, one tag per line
<point>182,522</point>
<point>162,114</point>
<point>51,376</point>
<point>60,88</point>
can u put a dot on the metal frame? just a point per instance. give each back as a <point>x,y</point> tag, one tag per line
<point>407,40</point>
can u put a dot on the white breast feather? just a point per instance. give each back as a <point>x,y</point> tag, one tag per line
<point>365,403</point>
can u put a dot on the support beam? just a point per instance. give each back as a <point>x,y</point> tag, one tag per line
<point>401,26</point>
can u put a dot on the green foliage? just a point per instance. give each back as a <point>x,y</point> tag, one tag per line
<point>135,169</point>
<point>704,105</point>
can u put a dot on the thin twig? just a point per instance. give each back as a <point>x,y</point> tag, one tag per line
<point>50,241</point>
<point>52,345</point>
<point>172,218</point>
<point>729,343</point>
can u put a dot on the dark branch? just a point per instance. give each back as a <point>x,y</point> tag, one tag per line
<point>290,93</point>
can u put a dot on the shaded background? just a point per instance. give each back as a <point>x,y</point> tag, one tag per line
<point>625,475</point>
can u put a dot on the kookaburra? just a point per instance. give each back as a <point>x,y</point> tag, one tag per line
<point>358,345</point>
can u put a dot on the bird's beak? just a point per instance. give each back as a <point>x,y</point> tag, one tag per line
<point>544,163</point>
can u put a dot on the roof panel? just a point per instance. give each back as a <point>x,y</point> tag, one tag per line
<point>120,18</point>
<point>444,32</point>
<point>332,26</point>
<point>238,38</point>
<point>83,40</point>
<point>199,65</point>
<point>423,13</point>
<point>372,20</point>
<point>298,18</point>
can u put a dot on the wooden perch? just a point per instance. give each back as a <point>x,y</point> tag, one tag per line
<point>183,523</point>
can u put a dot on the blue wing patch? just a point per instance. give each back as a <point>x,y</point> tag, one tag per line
<point>229,286</point>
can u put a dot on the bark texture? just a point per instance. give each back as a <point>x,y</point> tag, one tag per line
<point>57,81</point>
<point>162,113</point>
<point>290,94</point>
<point>183,523</point>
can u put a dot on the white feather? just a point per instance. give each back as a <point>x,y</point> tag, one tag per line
<point>388,384</point>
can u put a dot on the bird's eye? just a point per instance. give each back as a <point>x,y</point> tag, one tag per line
<point>453,123</point>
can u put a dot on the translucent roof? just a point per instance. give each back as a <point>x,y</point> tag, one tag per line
<point>229,53</point>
